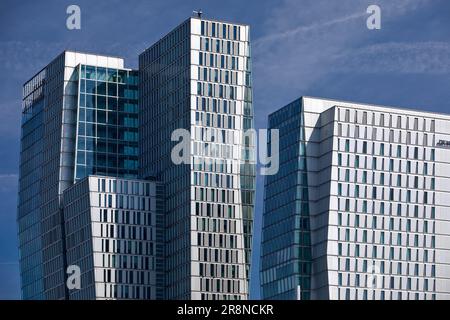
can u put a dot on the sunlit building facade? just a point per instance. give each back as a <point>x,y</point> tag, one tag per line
<point>79,117</point>
<point>114,235</point>
<point>198,78</point>
<point>359,207</point>
<point>100,190</point>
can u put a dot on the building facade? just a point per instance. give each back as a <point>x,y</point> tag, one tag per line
<point>358,209</point>
<point>87,129</point>
<point>197,79</point>
<point>79,117</point>
<point>114,235</point>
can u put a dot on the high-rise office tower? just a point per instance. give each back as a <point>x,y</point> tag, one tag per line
<point>79,118</point>
<point>198,78</point>
<point>183,232</point>
<point>359,206</point>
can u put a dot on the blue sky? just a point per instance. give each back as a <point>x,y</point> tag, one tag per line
<point>300,47</point>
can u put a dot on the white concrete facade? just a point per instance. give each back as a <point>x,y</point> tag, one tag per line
<point>379,181</point>
<point>114,235</point>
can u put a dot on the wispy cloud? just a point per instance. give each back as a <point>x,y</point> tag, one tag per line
<point>298,31</point>
<point>306,41</point>
<point>397,57</point>
<point>8,182</point>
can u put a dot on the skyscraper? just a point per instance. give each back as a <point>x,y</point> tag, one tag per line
<point>100,191</point>
<point>79,117</point>
<point>198,78</point>
<point>358,209</point>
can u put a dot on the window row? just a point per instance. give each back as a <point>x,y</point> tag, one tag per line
<point>370,251</point>
<point>220,30</point>
<point>365,147</point>
<point>220,46</point>
<point>386,223</point>
<point>378,237</point>
<point>386,120</point>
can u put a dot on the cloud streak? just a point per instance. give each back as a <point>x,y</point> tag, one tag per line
<point>308,41</point>
<point>397,57</point>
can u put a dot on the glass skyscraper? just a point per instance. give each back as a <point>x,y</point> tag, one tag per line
<point>359,207</point>
<point>286,242</point>
<point>198,78</point>
<point>79,117</point>
<point>99,189</point>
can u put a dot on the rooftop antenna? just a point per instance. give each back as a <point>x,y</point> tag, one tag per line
<point>198,12</point>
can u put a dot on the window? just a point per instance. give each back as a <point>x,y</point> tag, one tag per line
<point>203,28</point>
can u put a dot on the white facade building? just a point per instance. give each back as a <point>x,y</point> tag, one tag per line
<point>198,78</point>
<point>374,221</point>
<point>114,235</point>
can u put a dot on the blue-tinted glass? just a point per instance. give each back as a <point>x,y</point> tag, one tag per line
<point>112,161</point>
<point>112,148</point>
<point>112,104</point>
<point>101,74</point>
<point>101,116</point>
<point>101,159</point>
<point>81,143</point>
<point>82,85</point>
<point>90,143</point>
<point>101,131</point>
<point>112,75</point>
<point>90,86</point>
<point>112,133</point>
<point>122,75</point>
<point>82,114</point>
<point>90,101</point>
<point>103,124</point>
<point>82,100</point>
<point>121,91</point>
<point>90,158</point>
<point>101,88</point>
<point>112,89</point>
<point>102,146</point>
<point>90,72</point>
<point>112,117</point>
<point>101,102</point>
<point>90,115</point>
<point>83,71</point>
<point>90,129</point>
<point>81,157</point>
<point>81,128</point>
